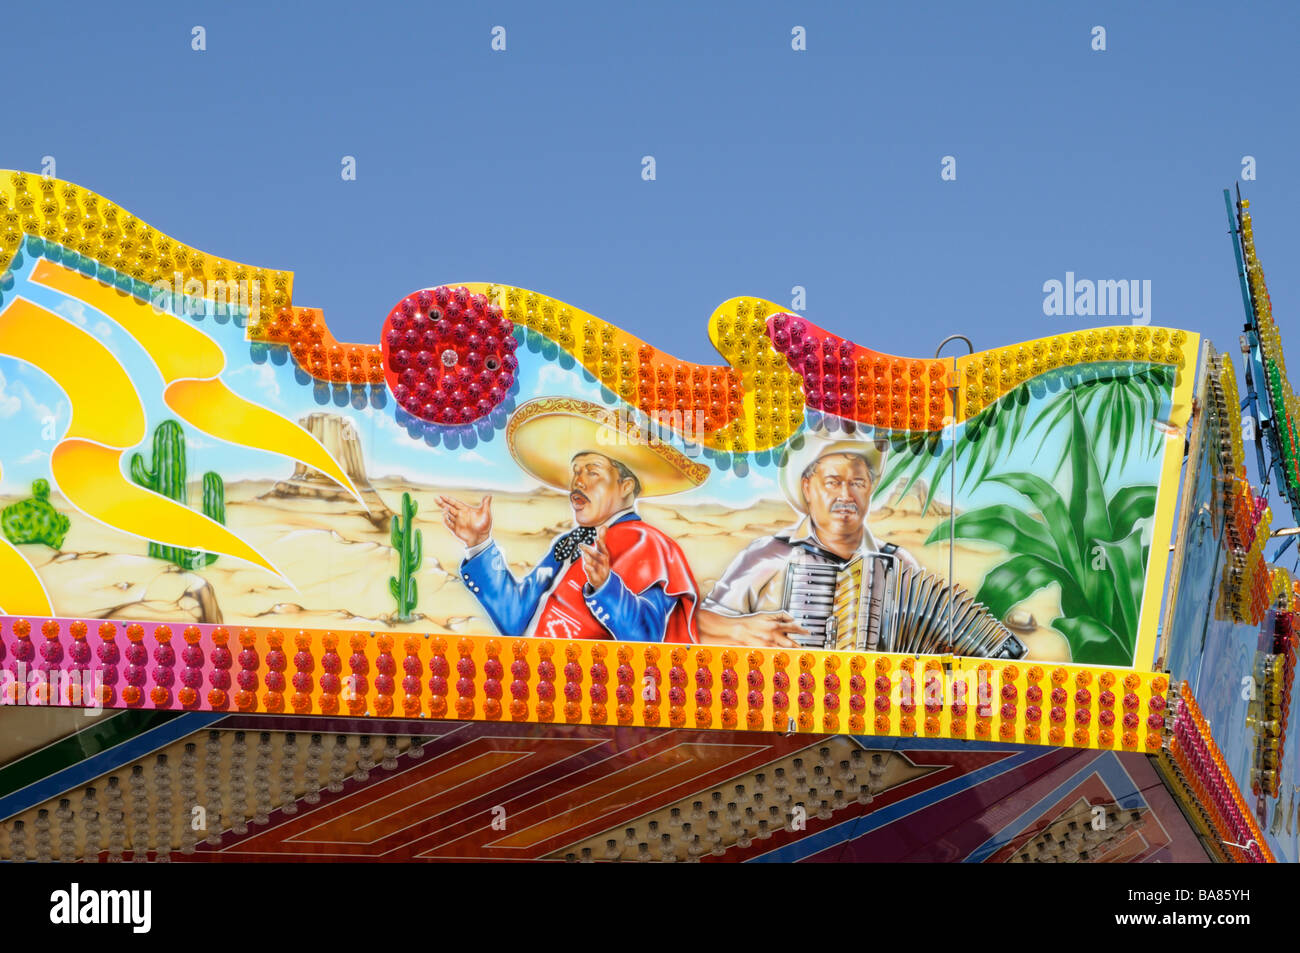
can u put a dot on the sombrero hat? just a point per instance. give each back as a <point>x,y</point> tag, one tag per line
<point>545,434</point>
<point>817,445</point>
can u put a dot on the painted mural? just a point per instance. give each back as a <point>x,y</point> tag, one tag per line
<point>179,442</point>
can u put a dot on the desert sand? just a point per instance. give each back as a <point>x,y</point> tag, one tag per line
<point>337,561</point>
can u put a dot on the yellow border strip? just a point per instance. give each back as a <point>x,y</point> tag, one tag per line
<point>663,685</point>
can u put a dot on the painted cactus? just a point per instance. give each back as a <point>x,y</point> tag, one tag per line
<point>408,541</point>
<point>166,475</point>
<point>214,505</point>
<point>35,520</point>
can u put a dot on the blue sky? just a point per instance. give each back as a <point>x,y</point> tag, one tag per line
<point>775,168</point>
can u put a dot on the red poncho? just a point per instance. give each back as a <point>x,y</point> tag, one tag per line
<point>642,556</point>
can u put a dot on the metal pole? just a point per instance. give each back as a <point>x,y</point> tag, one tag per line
<point>952,471</point>
<point>1249,341</point>
<point>1234,229</point>
<point>1251,330</point>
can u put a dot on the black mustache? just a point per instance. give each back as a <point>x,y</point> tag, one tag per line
<point>573,493</point>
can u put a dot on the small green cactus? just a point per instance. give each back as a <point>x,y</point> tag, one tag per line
<point>409,543</point>
<point>214,505</point>
<point>35,520</point>
<point>167,475</point>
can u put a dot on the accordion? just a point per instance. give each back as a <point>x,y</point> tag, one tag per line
<point>875,603</point>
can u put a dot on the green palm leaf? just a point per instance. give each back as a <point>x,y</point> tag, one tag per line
<point>1089,519</point>
<point>1006,586</point>
<point>945,460</point>
<point>1056,517</point>
<point>1119,400</point>
<point>1117,410</point>
<point>1138,420</point>
<point>1088,514</point>
<point>909,457</point>
<point>1125,561</point>
<point>1053,419</point>
<point>1128,505</point>
<point>1012,529</point>
<point>1094,640</point>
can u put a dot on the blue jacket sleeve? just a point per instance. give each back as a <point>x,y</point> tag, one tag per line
<point>627,616</point>
<point>509,602</point>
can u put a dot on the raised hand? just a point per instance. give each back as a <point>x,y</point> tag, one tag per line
<point>595,560</point>
<point>470,524</point>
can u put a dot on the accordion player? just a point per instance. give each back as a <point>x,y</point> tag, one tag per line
<point>876,602</point>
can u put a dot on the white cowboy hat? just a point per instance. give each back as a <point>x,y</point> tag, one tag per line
<point>818,445</point>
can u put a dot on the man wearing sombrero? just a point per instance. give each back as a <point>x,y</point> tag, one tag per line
<point>613,576</point>
<point>829,481</point>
